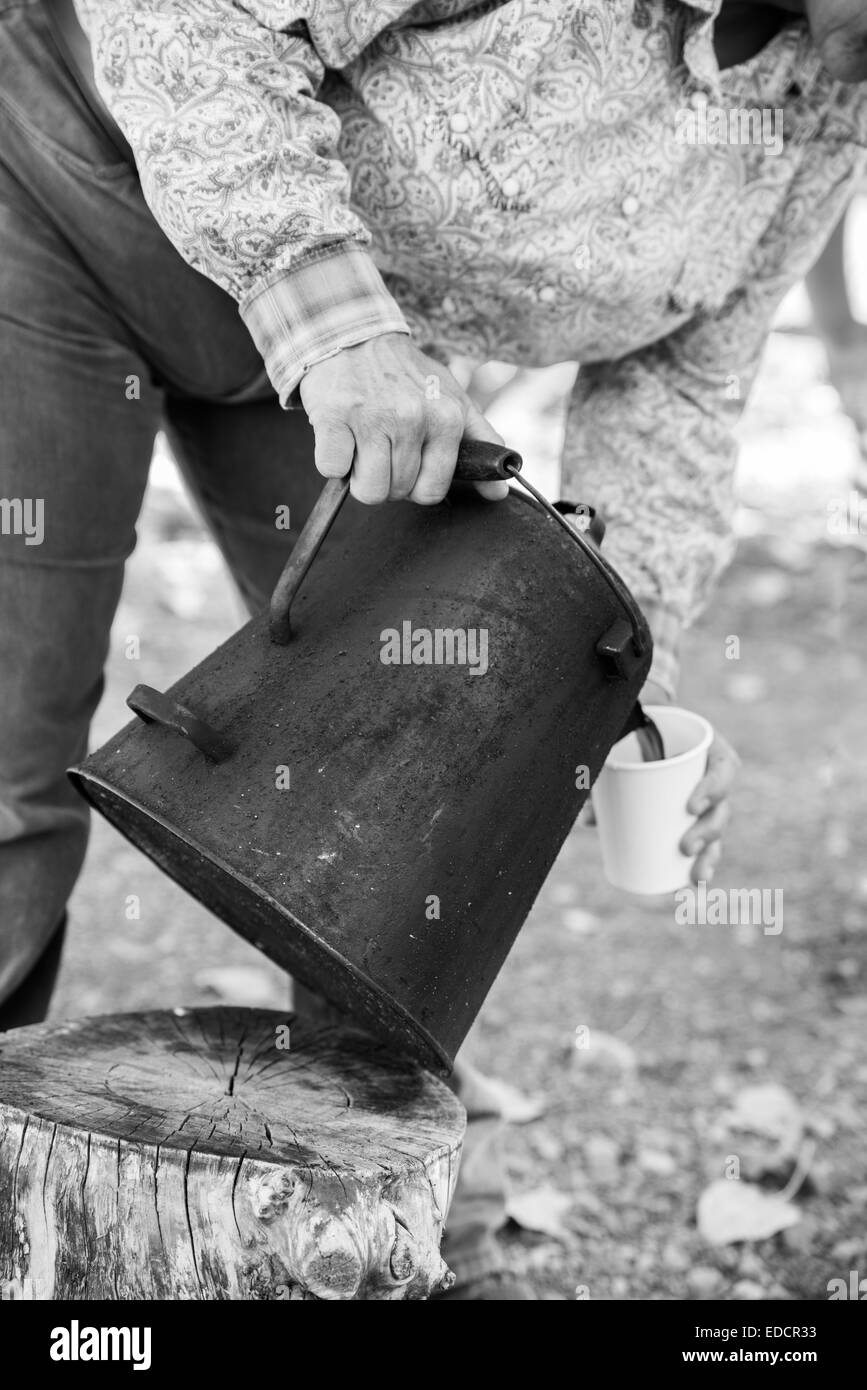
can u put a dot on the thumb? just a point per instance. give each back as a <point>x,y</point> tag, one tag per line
<point>476,426</point>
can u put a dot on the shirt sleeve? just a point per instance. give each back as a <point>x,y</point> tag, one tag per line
<point>237,161</point>
<point>650,439</point>
<point>649,443</point>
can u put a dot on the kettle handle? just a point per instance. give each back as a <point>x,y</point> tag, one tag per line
<point>156,708</point>
<point>477,462</point>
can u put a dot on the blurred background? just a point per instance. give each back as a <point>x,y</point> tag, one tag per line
<point>707,1042</point>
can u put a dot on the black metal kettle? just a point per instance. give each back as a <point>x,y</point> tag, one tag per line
<point>374,794</point>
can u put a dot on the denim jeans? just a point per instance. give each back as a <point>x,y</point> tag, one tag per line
<point>106,336</point>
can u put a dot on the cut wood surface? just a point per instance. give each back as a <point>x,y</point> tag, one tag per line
<point>184,1154</point>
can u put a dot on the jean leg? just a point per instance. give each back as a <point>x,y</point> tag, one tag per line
<point>29,1003</point>
<point>245,465</point>
<point>74,452</point>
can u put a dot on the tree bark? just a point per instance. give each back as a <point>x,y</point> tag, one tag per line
<point>186,1155</point>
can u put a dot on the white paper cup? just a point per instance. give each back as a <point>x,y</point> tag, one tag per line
<point>641,807</point>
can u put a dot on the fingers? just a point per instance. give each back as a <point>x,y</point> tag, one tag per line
<point>394,418</point>
<point>722,765</point>
<point>394,453</point>
<point>382,448</point>
<point>404,426</point>
<point>494,492</point>
<point>439,454</point>
<point>371,473</point>
<point>708,802</point>
<point>388,452</point>
<point>334,448</point>
<point>704,867</point>
<point>706,829</point>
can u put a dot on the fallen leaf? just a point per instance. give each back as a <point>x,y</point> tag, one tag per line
<point>246,985</point>
<point>605,1050</point>
<point>516,1108</point>
<point>542,1210</point>
<point>730,1210</point>
<point>763,1126</point>
<point>771,1110</point>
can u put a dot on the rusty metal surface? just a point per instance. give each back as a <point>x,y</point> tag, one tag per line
<point>407,782</point>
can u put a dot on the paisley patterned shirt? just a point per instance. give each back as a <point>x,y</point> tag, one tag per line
<point>528,180</point>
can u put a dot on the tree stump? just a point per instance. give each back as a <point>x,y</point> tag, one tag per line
<point>186,1155</point>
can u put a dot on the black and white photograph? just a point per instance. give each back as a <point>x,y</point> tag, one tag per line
<point>433,653</point>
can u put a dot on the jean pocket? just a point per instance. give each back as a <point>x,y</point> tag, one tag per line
<point>95,158</point>
<point>44,102</point>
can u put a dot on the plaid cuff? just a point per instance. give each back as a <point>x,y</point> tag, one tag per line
<point>330,300</point>
<point>665,628</point>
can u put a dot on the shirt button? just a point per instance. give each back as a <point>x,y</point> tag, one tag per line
<point>630,205</point>
<point>459,123</point>
<point>511,188</point>
<point>547,294</point>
